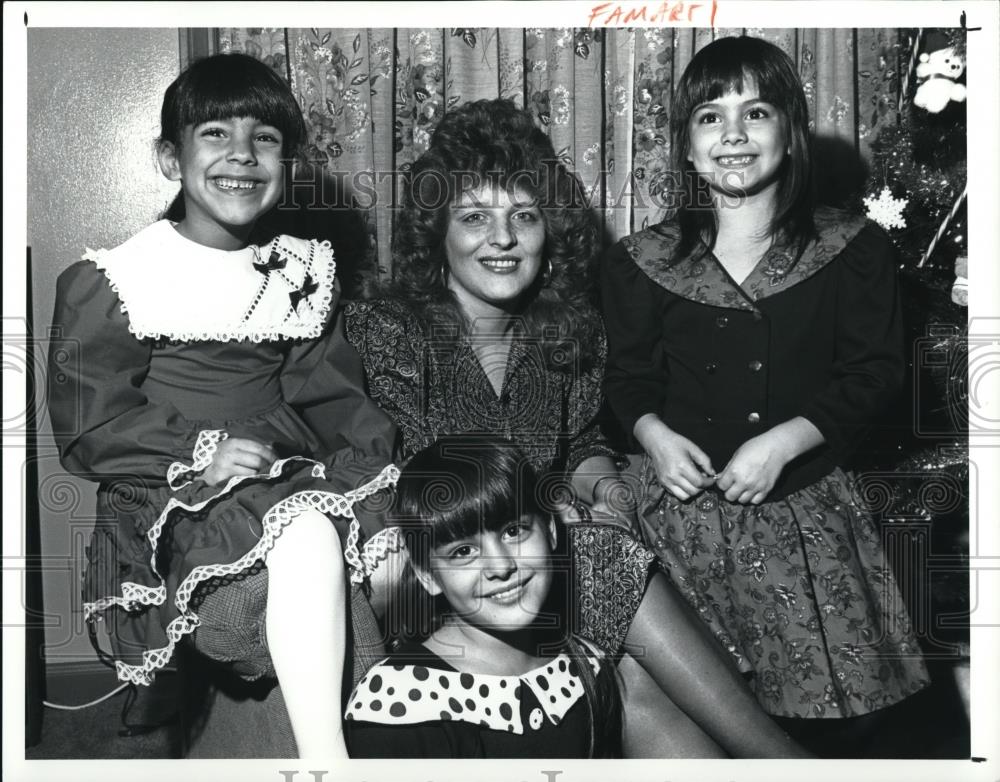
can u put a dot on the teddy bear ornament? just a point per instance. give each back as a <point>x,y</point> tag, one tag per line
<point>937,73</point>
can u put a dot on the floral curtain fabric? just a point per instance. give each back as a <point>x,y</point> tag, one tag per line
<point>372,97</point>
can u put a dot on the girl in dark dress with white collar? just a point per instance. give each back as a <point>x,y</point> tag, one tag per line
<point>752,339</point>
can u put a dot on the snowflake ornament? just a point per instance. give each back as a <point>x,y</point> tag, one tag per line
<point>886,210</point>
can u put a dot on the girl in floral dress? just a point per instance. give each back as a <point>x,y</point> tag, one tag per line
<point>202,378</point>
<point>752,337</point>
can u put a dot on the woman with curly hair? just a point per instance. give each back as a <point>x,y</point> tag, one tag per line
<point>488,328</point>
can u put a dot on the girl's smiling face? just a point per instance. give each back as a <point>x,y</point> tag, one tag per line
<point>493,246</point>
<point>231,172</point>
<point>497,579</point>
<point>737,142</point>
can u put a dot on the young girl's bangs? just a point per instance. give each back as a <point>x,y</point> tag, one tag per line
<point>447,495</point>
<point>727,76</point>
<point>253,100</point>
<point>232,85</point>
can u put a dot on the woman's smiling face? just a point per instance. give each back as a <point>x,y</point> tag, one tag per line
<point>738,142</point>
<point>493,245</point>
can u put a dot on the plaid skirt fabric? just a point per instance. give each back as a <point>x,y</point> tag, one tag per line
<point>232,628</point>
<point>798,589</point>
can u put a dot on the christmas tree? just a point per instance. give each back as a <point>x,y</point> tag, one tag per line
<point>918,467</point>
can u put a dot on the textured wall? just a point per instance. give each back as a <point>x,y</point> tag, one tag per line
<point>93,114</point>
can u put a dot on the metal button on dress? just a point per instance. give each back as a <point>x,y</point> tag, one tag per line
<point>754,418</point>
<point>755,366</point>
<point>710,368</point>
<point>722,321</point>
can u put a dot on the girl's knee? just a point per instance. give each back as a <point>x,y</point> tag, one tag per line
<point>309,532</point>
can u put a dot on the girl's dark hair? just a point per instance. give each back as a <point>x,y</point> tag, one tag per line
<point>231,85</point>
<point>725,65</point>
<point>460,486</point>
<point>456,488</point>
<point>493,142</point>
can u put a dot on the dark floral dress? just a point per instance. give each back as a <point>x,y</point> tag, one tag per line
<point>797,588</point>
<point>433,385</point>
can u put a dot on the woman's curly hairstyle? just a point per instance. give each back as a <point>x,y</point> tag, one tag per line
<point>493,142</point>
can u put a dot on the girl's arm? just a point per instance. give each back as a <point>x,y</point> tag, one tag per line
<point>869,368</point>
<point>869,364</point>
<point>591,460</point>
<point>324,380</point>
<point>636,375</point>
<point>102,422</point>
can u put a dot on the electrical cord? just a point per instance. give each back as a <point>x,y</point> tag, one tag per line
<point>127,729</point>
<point>65,707</point>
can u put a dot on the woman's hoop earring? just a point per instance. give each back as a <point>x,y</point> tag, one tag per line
<point>547,274</point>
<point>444,272</point>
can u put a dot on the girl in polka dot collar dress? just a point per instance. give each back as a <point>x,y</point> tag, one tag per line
<point>487,668</point>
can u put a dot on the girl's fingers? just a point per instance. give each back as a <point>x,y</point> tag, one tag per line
<point>256,448</point>
<point>704,464</point>
<point>678,492</point>
<point>735,491</point>
<point>758,498</point>
<point>725,481</point>
<point>234,471</point>
<point>687,487</point>
<point>248,461</point>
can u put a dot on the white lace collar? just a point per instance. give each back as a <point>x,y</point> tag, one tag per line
<point>392,694</point>
<point>177,289</point>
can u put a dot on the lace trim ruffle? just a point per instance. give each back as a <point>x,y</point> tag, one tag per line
<point>204,449</point>
<point>292,301</point>
<point>135,596</point>
<point>379,547</point>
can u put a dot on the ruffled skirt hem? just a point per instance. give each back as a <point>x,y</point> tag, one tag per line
<point>203,536</point>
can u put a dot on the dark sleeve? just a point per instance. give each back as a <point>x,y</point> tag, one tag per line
<point>391,348</point>
<point>869,362</point>
<point>323,380</point>
<point>585,403</point>
<point>103,423</point>
<point>635,378</point>
<point>422,740</point>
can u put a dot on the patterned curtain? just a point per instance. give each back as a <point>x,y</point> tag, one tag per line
<point>372,97</point>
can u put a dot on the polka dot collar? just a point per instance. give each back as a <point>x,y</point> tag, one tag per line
<point>392,694</point>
